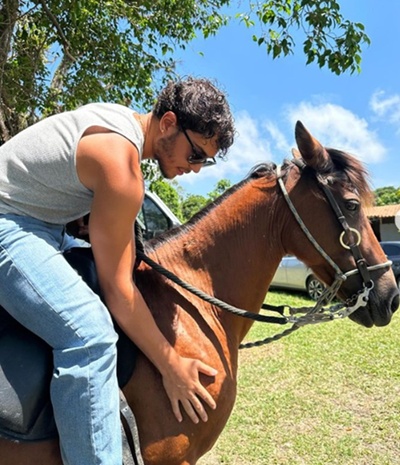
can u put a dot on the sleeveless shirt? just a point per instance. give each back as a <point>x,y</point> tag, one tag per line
<point>38,176</point>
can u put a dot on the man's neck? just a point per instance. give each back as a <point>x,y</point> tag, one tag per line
<point>148,127</point>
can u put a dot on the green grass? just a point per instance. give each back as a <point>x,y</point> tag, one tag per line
<point>326,394</point>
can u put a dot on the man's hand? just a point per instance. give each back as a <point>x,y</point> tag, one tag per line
<point>182,384</point>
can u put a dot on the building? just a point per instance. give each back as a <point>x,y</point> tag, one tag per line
<point>383,222</point>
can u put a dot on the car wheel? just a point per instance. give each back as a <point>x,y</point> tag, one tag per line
<point>314,288</point>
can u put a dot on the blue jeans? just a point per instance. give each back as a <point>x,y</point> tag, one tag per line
<point>41,290</point>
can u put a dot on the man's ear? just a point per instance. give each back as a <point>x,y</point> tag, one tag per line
<point>168,120</point>
<point>296,153</point>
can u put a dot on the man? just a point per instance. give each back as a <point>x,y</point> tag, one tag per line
<point>58,170</point>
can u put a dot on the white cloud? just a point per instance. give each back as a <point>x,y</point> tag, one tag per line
<point>339,128</point>
<point>250,147</point>
<point>386,107</point>
<point>280,142</point>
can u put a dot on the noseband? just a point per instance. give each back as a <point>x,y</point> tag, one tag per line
<point>360,299</point>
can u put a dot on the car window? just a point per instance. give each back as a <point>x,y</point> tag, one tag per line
<point>391,249</point>
<point>153,218</point>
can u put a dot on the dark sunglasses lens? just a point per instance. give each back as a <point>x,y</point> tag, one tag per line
<point>198,158</point>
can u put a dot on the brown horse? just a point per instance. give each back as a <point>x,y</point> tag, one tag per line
<point>231,250</point>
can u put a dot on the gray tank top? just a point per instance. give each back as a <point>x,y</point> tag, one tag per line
<point>38,175</point>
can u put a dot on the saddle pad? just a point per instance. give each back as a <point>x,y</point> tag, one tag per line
<point>26,367</point>
<point>25,371</point>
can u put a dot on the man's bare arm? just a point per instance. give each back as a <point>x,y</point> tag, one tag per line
<point>118,193</point>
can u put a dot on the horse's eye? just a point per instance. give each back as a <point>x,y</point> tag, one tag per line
<point>352,205</point>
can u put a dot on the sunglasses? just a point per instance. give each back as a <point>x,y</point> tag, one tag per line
<point>198,157</point>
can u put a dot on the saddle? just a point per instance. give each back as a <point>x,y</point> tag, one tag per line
<point>26,367</point>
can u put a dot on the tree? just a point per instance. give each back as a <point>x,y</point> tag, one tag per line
<point>328,38</point>
<point>58,54</point>
<point>387,196</point>
<point>220,188</point>
<point>168,193</point>
<point>192,204</point>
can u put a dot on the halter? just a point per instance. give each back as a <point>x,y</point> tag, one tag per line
<point>360,299</point>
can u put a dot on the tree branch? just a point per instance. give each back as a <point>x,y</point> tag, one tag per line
<point>8,18</point>
<point>56,24</point>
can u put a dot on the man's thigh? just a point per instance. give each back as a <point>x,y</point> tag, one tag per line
<point>42,291</point>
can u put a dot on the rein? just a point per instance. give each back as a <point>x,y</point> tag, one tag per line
<point>311,315</point>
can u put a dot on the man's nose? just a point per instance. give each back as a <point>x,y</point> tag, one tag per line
<point>196,167</point>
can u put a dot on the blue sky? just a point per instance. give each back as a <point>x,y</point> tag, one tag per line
<point>358,113</point>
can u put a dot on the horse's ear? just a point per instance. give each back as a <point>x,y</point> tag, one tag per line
<point>312,152</point>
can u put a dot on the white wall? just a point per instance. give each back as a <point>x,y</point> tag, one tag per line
<point>389,232</point>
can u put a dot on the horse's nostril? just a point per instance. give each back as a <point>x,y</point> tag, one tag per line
<point>395,303</point>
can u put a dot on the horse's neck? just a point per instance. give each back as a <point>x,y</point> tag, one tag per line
<point>233,251</point>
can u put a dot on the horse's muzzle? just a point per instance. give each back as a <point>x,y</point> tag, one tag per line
<point>378,312</point>
<point>395,303</point>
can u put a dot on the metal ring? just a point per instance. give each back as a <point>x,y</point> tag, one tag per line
<point>355,232</point>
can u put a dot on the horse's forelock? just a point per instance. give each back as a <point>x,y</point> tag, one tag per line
<point>349,170</point>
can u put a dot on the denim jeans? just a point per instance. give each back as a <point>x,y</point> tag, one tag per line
<point>41,290</point>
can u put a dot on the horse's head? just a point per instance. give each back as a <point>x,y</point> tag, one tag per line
<point>328,189</point>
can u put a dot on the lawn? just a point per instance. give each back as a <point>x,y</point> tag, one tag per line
<point>326,394</point>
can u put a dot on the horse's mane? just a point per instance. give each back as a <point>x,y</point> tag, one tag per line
<point>347,171</point>
<point>258,171</point>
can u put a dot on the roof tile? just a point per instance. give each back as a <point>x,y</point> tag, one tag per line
<point>384,211</point>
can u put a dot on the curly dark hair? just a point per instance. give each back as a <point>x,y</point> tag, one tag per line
<point>200,107</point>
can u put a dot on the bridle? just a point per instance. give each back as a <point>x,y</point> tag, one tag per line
<point>310,315</point>
<point>360,299</point>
